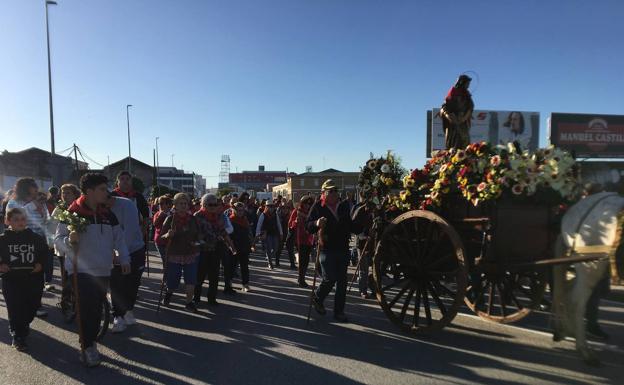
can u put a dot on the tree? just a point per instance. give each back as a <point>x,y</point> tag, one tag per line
<point>161,190</point>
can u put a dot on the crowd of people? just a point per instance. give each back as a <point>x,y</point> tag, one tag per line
<point>100,238</point>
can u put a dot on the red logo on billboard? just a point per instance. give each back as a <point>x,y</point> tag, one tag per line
<point>481,115</point>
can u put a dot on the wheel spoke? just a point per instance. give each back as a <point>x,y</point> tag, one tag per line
<point>502,300</point>
<point>424,248</point>
<point>446,290</point>
<point>434,251</point>
<point>490,299</point>
<point>398,296</point>
<point>416,308</point>
<point>439,303</point>
<point>439,261</point>
<point>406,304</point>
<point>426,303</point>
<point>410,246</point>
<point>400,281</point>
<point>518,304</point>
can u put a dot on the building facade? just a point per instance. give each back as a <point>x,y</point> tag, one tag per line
<point>309,183</point>
<point>138,169</point>
<point>180,180</point>
<point>41,165</point>
<point>260,180</point>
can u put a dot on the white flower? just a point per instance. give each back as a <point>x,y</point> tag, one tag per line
<point>385,168</point>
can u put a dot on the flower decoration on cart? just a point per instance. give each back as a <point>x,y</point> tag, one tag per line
<point>482,172</point>
<point>381,178</point>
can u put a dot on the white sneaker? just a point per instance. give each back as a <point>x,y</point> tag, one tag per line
<point>91,356</point>
<point>119,325</point>
<point>246,288</point>
<point>129,318</point>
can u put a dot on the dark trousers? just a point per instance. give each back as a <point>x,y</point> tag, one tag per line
<point>229,264</point>
<point>304,261</point>
<point>22,294</point>
<point>334,265</point>
<point>65,283</point>
<point>92,291</point>
<point>208,268</point>
<point>290,246</point>
<point>48,266</point>
<point>124,288</point>
<point>601,290</point>
<point>243,259</point>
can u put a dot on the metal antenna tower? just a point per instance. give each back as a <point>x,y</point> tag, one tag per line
<point>224,175</point>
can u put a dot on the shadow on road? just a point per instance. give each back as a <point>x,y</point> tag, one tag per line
<point>262,338</point>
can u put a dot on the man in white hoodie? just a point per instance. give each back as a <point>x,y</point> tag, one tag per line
<point>124,288</point>
<point>93,249</point>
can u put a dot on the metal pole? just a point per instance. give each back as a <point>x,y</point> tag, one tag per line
<point>129,152</point>
<point>157,164</point>
<point>48,2</point>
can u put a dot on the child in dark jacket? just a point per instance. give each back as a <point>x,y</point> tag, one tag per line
<point>22,253</point>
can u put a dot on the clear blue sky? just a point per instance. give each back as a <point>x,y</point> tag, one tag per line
<point>289,83</point>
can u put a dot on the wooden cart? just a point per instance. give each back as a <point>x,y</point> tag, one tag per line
<point>493,258</point>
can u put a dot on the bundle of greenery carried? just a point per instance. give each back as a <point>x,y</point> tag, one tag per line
<point>73,221</point>
<point>483,172</point>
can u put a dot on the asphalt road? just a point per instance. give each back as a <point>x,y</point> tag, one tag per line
<point>262,338</point>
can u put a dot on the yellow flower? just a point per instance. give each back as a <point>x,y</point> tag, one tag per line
<point>389,182</point>
<point>404,194</point>
<point>408,181</point>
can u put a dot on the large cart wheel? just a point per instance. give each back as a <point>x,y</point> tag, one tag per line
<point>419,272</point>
<point>506,296</point>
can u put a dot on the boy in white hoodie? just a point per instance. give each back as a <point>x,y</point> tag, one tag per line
<point>93,249</point>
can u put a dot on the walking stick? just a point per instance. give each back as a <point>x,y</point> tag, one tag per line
<point>357,268</point>
<point>146,238</point>
<point>165,263</point>
<point>77,302</point>
<point>316,262</point>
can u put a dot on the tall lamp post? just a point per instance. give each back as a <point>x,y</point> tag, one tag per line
<point>157,165</point>
<point>129,152</point>
<point>50,2</point>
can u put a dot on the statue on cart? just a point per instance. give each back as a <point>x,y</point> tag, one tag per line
<point>456,114</point>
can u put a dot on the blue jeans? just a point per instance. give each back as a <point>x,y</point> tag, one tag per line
<point>270,247</point>
<point>334,265</point>
<point>162,250</point>
<point>174,273</point>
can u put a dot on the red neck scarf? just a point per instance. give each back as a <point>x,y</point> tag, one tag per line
<point>181,218</point>
<point>80,206</point>
<point>240,220</point>
<point>130,194</point>
<point>210,216</point>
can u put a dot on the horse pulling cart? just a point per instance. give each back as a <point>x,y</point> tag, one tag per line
<point>493,257</point>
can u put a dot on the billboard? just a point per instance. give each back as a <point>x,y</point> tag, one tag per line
<point>588,135</point>
<point>500,127</point>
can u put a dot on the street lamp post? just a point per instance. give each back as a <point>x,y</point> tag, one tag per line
<point>129,152</point>
<point>157,165</point>
<point>50,2</point>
